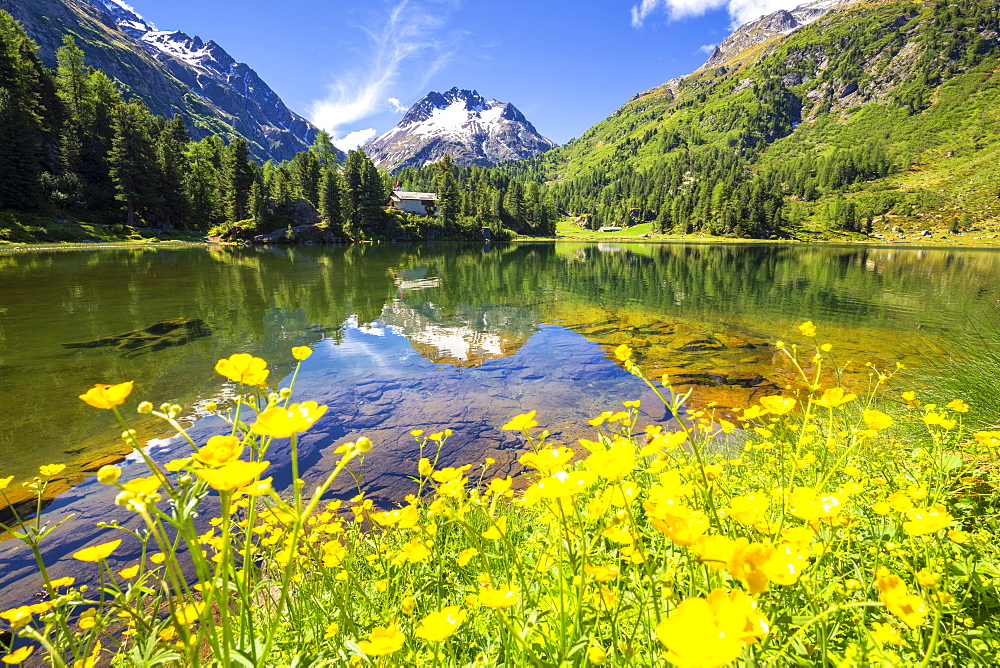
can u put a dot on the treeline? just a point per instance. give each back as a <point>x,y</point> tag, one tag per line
<point>475,197</point>
<point>73,146</point>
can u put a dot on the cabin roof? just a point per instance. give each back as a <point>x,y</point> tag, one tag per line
<point>403,194</point>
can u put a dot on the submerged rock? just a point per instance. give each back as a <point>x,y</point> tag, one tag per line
<point>151,337</point>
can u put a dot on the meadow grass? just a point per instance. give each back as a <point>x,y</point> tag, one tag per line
<point>805,533</point>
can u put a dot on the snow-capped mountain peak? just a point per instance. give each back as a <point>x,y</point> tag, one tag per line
<point>208,70</point>
<point>474,130</point>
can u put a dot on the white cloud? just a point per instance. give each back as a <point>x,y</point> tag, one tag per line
<point>396,106</point>
<point>411,41</point>
<point>352,140</point>
<point>740,11</point>
<point>707,49</point>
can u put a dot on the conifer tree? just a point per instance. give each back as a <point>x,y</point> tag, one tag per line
<point>133,160</point>
<point>237,178</point>
<point>331,200</point>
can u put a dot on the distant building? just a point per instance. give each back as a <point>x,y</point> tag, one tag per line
<point>419,203</point>
<point>610,229</point>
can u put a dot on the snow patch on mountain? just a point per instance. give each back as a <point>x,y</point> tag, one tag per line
<point>474,130</point>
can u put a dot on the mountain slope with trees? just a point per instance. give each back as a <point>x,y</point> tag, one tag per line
<point>879,113</point>
<point>215,94</point>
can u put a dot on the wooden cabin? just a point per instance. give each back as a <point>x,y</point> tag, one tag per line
<point>419,203</point>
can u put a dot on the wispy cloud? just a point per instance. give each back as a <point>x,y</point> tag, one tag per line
<point>412,41</point>
<point>740,11</point>
<point>707,49</point>
<point>396,105</point>
<point>352,140</point>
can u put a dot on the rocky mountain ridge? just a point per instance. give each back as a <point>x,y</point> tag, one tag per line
<point>169,71</point>
<point>474,130</point>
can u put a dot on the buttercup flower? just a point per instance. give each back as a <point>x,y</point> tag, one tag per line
<point>708,633</point>
<point>808,328</point>
<point>97,552</point>
<point>219,450</point>
<point>501,597</point>
<point>383,640</point>
<point>778,405</point>
<point>885,633</point>
<point>301,352</point>
<point>521,422</point>
<point>623,352</point>
<point>833,397</point>
<point>49,470</point>
<point>876,420</point>
<point>439,626</point>
<point>18,656</point>
<point>243,368</point>
<point>927,520</point>
<point>281,422</point>
<point>614,463</point>
<point>988,437</point>
<point>107,396</point>
<point>4,482</point>
<point>233,475</point>
<point>910,608</point>
<point>547,460</point>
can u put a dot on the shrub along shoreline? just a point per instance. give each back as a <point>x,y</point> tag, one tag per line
<point>814,536</point>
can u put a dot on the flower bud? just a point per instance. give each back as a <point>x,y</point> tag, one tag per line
<point>285,392</point>
<point>211,407</point>
<point>164,408</point>
<point>273,398</point>
<point>108,475</point>
<point>364,444</point>
<point>175,410</point>
<point>144,407</point>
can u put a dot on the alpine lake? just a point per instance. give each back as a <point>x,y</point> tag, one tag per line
<point>431,337</point>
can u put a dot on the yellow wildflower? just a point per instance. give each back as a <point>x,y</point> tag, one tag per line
<point>504,596</point>
<point>876,420</point>
<point>521,422</point>
<point>614,463</point>
<point>886,633</point>
<point>596,654</point>
<point>808,328</point>
<point>63,582</point>
<point>960,537</point>
<point>130,572</point>
<point>243,368</point>
<point>679,523</point>
<point>281,422</point>
<point>958,406</point>
<point>777,404</point>
<point>49,470</point>
<point>714,551</point>
<point>562,484</point>
<point>499,485</point>
<point>927,520</point>
<point>219,450</point>
<point>910,608</point>
<point>18,656</point>
<point>497,530</point>
<point>232,475</point>
<point>708,633</point>
<point>97,552</point>
<point>833,397</point>
<point>547,460</point>
<point>465,556</point>
<point>441,625</point>
<point>301,352</point>
<point>383,640</point>
<point>910,398</point>
<point>988,437</point>
<point>623,353</point>
<point>604,573</point>
<point>107,396</point>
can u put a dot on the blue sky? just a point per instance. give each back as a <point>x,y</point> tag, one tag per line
<point>354,66</point>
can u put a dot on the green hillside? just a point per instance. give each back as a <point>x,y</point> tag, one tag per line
<point>879,114</point>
